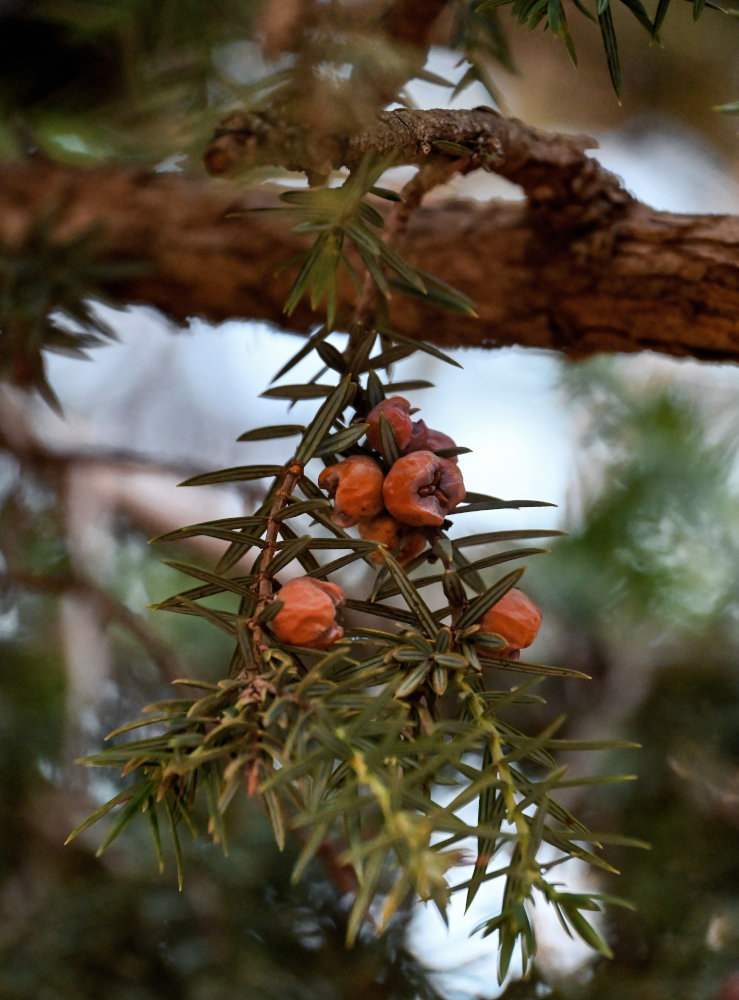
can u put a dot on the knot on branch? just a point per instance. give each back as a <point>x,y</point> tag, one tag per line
<point>247,139</point>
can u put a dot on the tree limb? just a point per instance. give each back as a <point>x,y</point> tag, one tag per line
<point>604,273</point>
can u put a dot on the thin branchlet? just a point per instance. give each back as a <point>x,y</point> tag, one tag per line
<point>264,586</point>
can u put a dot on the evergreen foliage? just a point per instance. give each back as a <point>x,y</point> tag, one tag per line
<point>378,743</point>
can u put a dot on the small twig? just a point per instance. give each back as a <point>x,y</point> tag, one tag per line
<point>428,176</point>
<point>264,585</point>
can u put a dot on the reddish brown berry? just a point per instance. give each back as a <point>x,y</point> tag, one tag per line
<point>419,436</point>
<point>514,618</point>
<point>355,485</point>
<point>427,439</point>
<point>405,543</point>
<point>398,412</point>
<point>307,615</point>
<point>421,489</point>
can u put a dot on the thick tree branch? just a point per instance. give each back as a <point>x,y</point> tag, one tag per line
<point>597,273</point>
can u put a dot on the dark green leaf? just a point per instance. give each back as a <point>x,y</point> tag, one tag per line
<point>175,841</point>
<point>327,413</point>
<point>490,597</point>
<point>241,473</point>
<point>313,260</point>
<point>563,30</point>
<point>138,797</point>
<point>310,390</point>
<point>659,17</point>
<point>407,386</point>
<point>219,584</point>
<point>470,75</point>
<point>331,357</point>
<point>409,274</point>
<point>267,433</point>
<point>375,391</point>
<point>387,193</point>
<point>388,444</point>
<point>491,537</point>
<point>273,807</point>
<point>478,501</point>
<point>412,679</point>
<point>304,351</point>
<point>587,932</point>
<point>501,557</point>
<point>452,661</point>
<point>291,550</point>
<point>229,529</point>
<point>419,345</point>
<point>437,293</point>
<point>223,620</point>
<point>138,792</point>
<point>342,440</point>
<point>387,358</point>
<point>639,11</point>
<point>381,610</point>
<point>507,942</point>
<point>366,893</point>
<point>608,34</point>
<point>408,654</point>
<point>269,611</point>
<point>411,596</point>
<point>520,666</point>
<point>302,507</point>
<point>370,214</point>
<point>361,344</point>
<point>375,271</point>
<point>439,680</point>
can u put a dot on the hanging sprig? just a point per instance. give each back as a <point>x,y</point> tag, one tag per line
<point>368,713</point>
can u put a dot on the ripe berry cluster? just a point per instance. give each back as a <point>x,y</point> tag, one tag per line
<point>401,505</point>
<point>397,505</point>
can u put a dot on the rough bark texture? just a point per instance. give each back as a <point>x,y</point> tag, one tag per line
<point>623,278</point>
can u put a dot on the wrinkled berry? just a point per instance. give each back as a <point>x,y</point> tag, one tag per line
<point>405,543</point>
<point>426,439</point>
<point>419,436</point>
<point>514,618</point>
<point>421,489</point>
<point>398,412</point>
<point>307,615</point>
<point>355,485</point>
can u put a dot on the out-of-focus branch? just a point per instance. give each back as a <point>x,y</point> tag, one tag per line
<point>632,279</point>
<point>312,110</point>
<point>62,584</point>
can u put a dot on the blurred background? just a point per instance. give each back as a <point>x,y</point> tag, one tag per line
<point>639,455</point>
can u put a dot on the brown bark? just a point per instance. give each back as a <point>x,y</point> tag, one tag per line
<point>631,279</point>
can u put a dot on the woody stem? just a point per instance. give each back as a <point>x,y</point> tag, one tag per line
<point>263,584</point>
